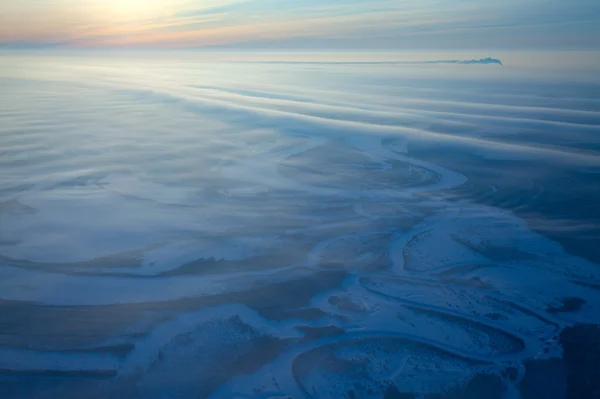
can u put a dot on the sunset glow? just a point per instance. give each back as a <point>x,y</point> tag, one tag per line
<point>298,24</point>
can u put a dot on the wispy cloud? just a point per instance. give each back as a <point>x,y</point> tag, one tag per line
<point>295,23</point>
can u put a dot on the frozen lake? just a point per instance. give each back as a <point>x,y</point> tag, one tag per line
<point>326,225</point>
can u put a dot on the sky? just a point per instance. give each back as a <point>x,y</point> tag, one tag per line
<point>301,24</point>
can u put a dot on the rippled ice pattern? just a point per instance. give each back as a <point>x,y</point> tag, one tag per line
<point>191,226</point>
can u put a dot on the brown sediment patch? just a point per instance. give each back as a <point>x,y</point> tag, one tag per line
<point>399,280</point>
<point>23,323</point>
<point>521,309</point>
<point>101,374</point>
<point>333,164</point>
<point>472,282</point>
<point>292,251</point>
<point>307,314</point>
<point>462,269</point>
<point>569,304</point>
<point>118,350</point>
<point>588,285</point>
<point>129,259</point>
<point>345,303</point>
<point>311,333</point>
<point>365,253</point>
<point>495,252</point>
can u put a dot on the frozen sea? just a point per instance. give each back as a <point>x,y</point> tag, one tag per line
<point>190,225</point>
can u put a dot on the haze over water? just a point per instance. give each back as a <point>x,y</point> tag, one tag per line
<point>243,222</point>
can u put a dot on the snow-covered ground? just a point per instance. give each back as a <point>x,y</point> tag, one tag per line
<point>186,239</point>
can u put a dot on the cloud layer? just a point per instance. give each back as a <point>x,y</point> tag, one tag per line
<point>293,24</point>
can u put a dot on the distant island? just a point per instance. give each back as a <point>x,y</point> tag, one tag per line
<point>487,60</point>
